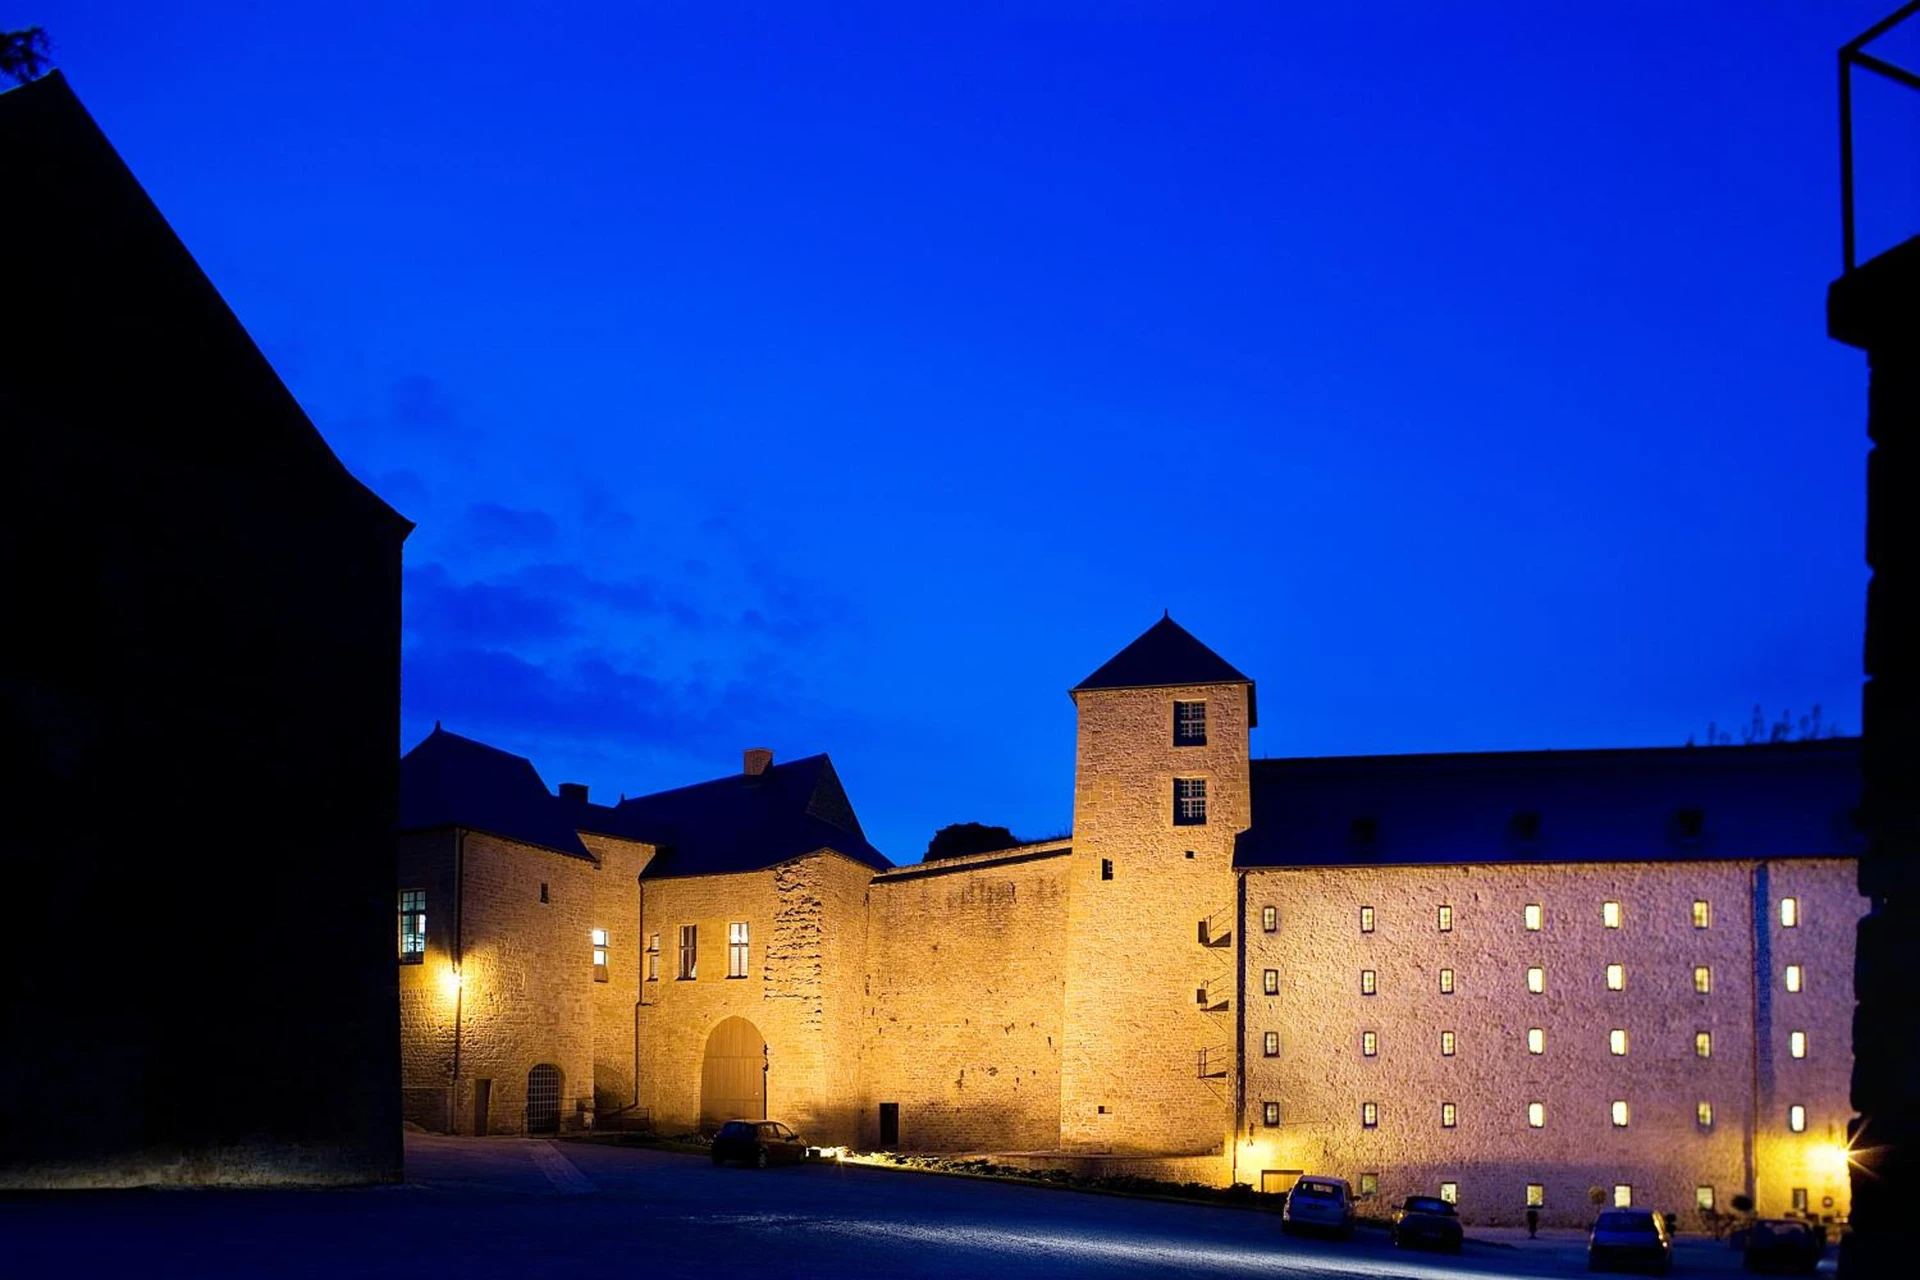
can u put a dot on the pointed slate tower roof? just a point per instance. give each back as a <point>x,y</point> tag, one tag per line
<point>1167,654</point>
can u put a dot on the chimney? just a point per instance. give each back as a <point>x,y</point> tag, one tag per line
<point>574,791</point>
<point>758,761</point>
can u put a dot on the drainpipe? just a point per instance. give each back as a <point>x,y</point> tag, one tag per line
<point>1239,1022</point>
<point>640,986</point>
<point>459,954</point>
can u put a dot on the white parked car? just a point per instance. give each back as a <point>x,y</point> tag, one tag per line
<point>1319,1204</point>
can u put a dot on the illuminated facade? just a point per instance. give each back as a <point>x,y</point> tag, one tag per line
<point>1511,978</point>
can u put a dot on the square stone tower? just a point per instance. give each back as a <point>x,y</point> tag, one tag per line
<point>1160,792</point>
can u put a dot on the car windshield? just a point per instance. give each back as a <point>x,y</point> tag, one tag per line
<point>1427,1204</point>
<point>1625,1222</point>
<point>1317,1190</point>
<point>736,1129</point>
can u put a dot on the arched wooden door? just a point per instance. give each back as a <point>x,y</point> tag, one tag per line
<point>733,1074</point>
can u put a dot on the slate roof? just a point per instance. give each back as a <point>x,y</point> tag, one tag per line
<point>746,822</point>
<point>451,781</point>
<point>1166,654</point>
<point>1661,804</point>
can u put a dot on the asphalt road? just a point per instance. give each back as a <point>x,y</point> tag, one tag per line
<point>517,1207</point>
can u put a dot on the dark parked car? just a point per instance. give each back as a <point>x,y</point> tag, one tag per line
<point>1427,1220</point>
<point>1319,1204</point>
<point>1629,1238</point>
<point>758,1142</point>
<point>1783,1244</point>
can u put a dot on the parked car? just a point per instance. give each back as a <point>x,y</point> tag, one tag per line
<point>1427,1220</point>
<point>758,1142</point>
<point>1319,1204</point>
<point>1783,1244</point>
<point>1627,1238</point>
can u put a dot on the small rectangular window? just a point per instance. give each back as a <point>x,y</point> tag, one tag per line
<point>1446,982</point>
<point>737,949</point>
<point>653,957</point>
<point>1610,915</point>
<point>1369,1115</point>
<point>1703,1114</point>
<point>1446,918</point>
<point>1797,1044</point>
<point>1536,1195</point>
<point>1702,914</point>
<point>1446,1044</point>
<point>1703,1199</point>
<point>1530,914</point>
<point>1106,868</point>
<point>1366,982</point>
<point>1450,1192</point>
<point>689,950</point>
<point>1536,1115</point>
<point>1270,981</point>
<point>1703,1044</point>
<point>1617,1042</point>
<point>1702,979</point>
<point>1270,1113</point>
<point>413,926</point>
<point>1797,1118</point>
<point>1366,919</point>
<point>1619,1115</point>
<point>543,891</point>
<point>1270,1044</point>
<point>1793,978</point>
<point>1449,1115</point>
<point>1616,977</point>
<point>1189,724</point>
<point>1536,1040</point>
<point>1369,1185</point>
<point>1189,802</point>
<point>1622,1195</point>
<point>1270,919</point>
<point>599,937</point>
<point>1789,912</point>
<point>1536,979</point>
<point>1799,1199</point>
<point>1369,1043</point>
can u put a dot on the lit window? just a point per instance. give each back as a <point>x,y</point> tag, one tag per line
<point>1702,914</point>
<point>1536,1115</point>
<point>1446,982</point>
<point>689,950</point>
<point>1369,1185</point>
<point>1270,919</point>
<point>1270,1044</point>
<point>1617,1042</point>
<point>1536,979</point>
<point>1270,1113</point>
<point>1448,1115</point>
<point>1797,1118</point>
<point>1789,912</point>
<point>1189,802</point>
<point>1450,1192</point>
<point>1446,1044</point>
<point>1793,977</point>
<point>1610,914</point>
<point>1369,1043</point>
<point>413,926</point>
<point>1532,915</point>
<point>1536,1195</point>
<point>1622,1195</point>
<point>1366,982</point>
<point>653,957</point>
<point>1536,1040</point>
<point>1369,1115</point>
<point>1189,724</point>
<point>1270,981</point>
<point>1616,977</point>
<point>1797,1043</point>
<point>1703,1199</point>
<point>1366,919</point>
<point>1703,1114</point>
<point>1446,919</point>
<point>737,949</point>
<point>1702,979</point>
<point>1799,1199</point>
<point>1619,1115</point>
<point>1703,1044</point>
<point>599,955</point>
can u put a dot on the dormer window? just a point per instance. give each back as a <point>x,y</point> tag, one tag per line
<point>1189,724</point>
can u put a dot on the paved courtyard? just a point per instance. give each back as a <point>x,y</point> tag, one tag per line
<point>506,1207</point>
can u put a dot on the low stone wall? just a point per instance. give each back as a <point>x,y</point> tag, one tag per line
<point>1205,1171</point>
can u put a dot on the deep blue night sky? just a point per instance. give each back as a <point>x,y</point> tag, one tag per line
<point>857,378</point>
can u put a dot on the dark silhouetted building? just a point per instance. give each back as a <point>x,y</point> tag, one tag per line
<point>199,701</point>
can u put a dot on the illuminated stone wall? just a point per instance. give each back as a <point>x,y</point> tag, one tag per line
<point>616,909</point>
<point>1323,1077</point>
<point>962,1023</point>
